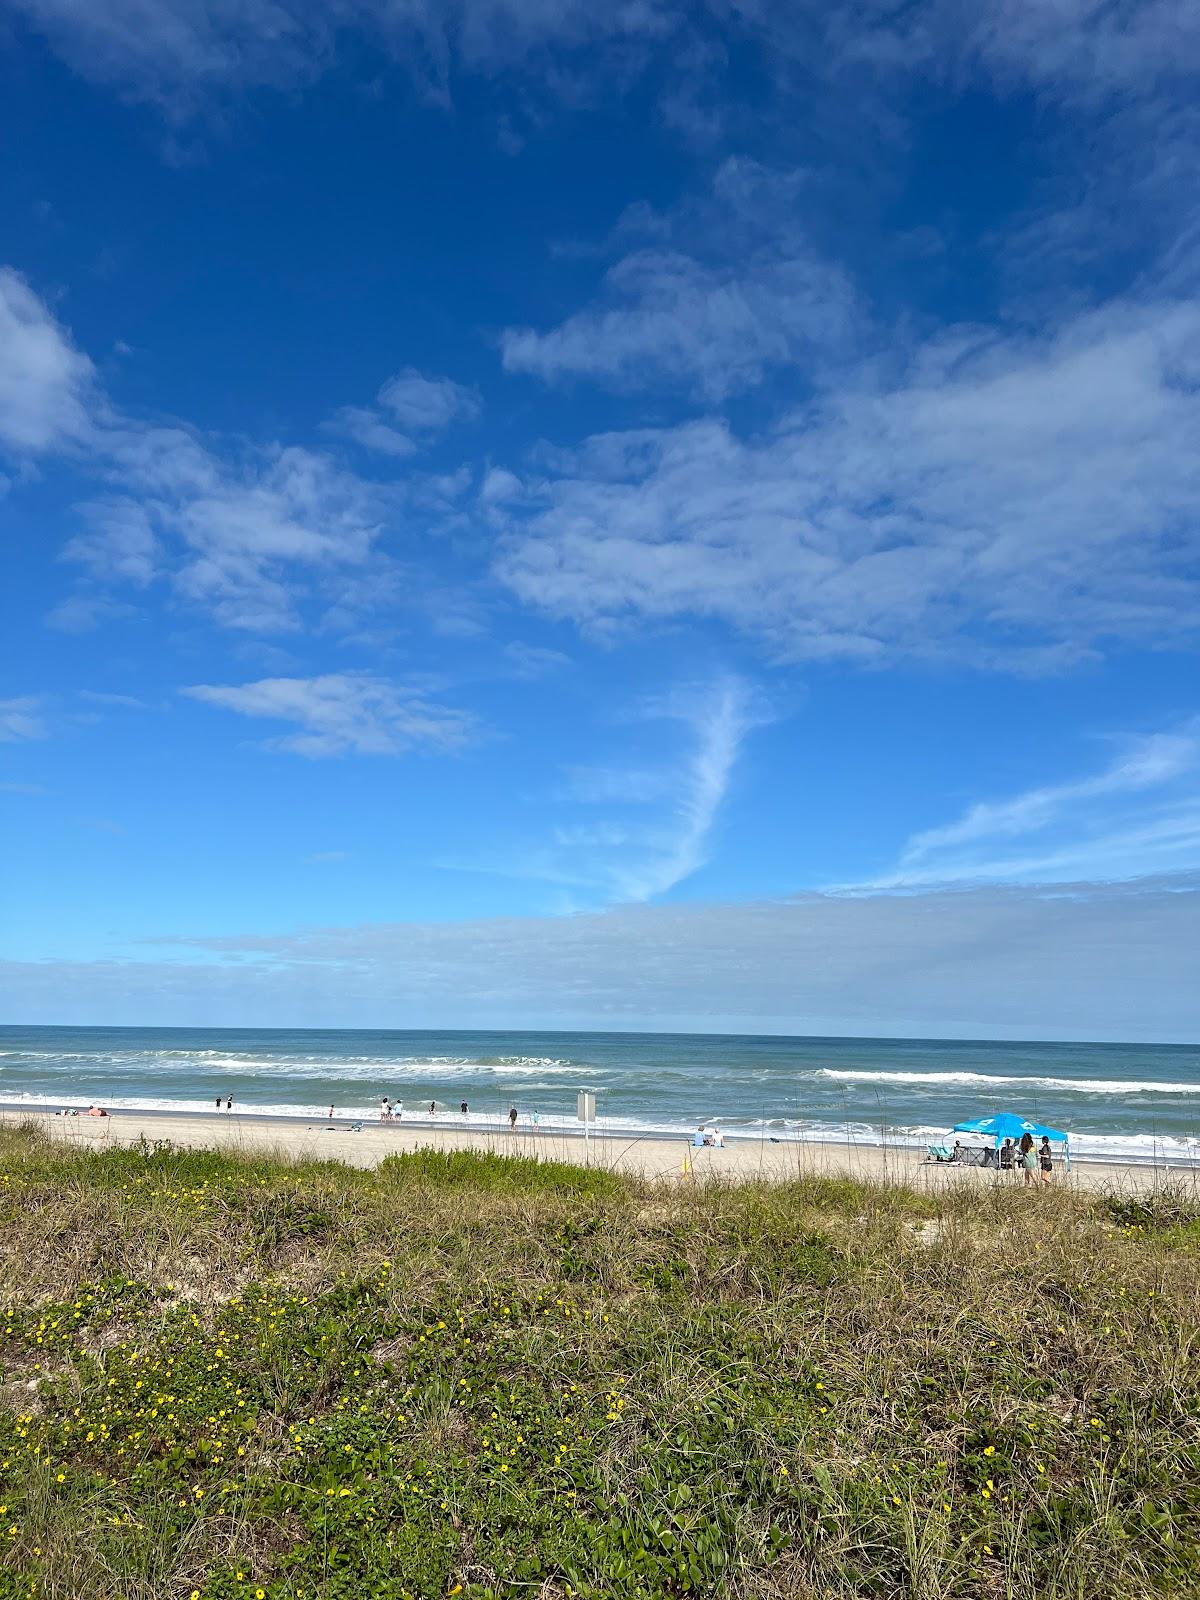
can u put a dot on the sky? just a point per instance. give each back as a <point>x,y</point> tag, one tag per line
<point>668,515</point>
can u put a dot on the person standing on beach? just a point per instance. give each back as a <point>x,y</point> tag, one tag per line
<point>1029,1160</point>
<point>463,1108</point>
<point>1045,1159</point>
<point>385,1109</point>
<point>229,1104</point>
<point>433,1108</point>
<point>512,1119</point>
<point>331,1113</point>
<point>218,1102</point>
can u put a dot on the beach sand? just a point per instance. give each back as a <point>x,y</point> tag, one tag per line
<point>659,1158</point>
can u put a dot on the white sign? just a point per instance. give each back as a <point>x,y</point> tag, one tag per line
<point>585,1106</point>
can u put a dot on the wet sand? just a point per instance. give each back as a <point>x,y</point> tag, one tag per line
<point>650,1157</point>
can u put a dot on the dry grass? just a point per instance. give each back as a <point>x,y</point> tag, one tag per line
<point>525,1379</point>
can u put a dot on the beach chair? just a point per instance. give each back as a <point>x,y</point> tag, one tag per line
<point>938,1152</point>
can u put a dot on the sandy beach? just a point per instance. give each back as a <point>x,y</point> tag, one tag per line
<point>667,1159</point>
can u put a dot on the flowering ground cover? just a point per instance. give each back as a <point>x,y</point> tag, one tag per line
<point>230,1378</point>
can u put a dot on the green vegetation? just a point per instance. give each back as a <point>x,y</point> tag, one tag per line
<point>237,1379</point>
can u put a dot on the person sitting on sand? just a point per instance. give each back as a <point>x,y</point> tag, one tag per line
<point>1046,1159</point>
<point>718,1139</point>
<point>698,1139</point>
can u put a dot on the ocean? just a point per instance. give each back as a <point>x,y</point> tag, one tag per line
<point>1118,1101</point>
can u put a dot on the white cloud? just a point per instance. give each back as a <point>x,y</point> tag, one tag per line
<point>1016,500</point>
<point>46,385</point>
<point>534,660</point>
<point>21,719</point>
<point>731,288</point>
<point>422,406</point>
<point>1077,961</point>
<point>248,536</point>
<point>661,820</point>
<point>173,52</point>
<point>367,428</point>
<point>427,405</point>
<point>1137,816</point>
<point>342,714</point>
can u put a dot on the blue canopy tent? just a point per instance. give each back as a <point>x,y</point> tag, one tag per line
<point>1007,1125</point>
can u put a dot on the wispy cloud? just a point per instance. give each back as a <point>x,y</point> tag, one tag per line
<point>22,718</point>
<point>657,823</point>
<point>534,660</point>
<point>179,55</point>
<point>730,288</point>
<point>248,536</point>
<point>46,385</point>
<point>719,718</point>
<point>341,714</point>
<point>103,697</point>
<point>1139,815</point>
<point>1022,502</point>
<point>411,408</point>
<point>321,858</point>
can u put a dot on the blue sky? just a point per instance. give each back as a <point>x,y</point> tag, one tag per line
<point>656,515</point>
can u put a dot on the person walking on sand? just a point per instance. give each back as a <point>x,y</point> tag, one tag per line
<point>1045,1159</point>
<point>433,1108</point>
<point>512,1119</point>
<point>1029,1160</point>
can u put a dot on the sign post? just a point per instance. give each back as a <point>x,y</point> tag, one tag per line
<point>585,1110</point>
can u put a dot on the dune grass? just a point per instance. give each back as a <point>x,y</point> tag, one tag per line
<point>227,1376</point>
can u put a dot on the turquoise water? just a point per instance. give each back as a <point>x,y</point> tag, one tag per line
<point>1132,1101</point>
